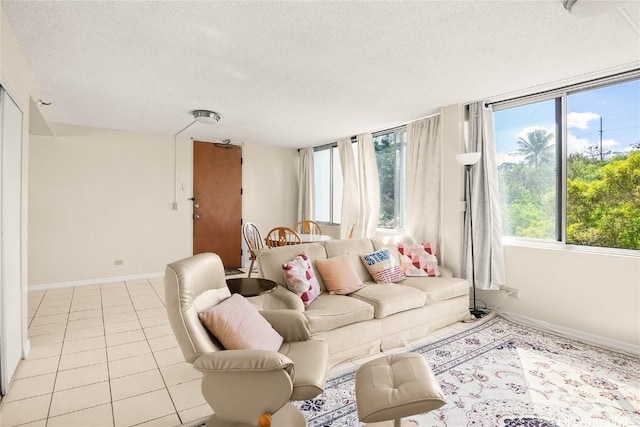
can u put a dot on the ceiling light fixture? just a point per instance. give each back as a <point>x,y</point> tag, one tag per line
<point>586,8</point>
<point>205,116</point>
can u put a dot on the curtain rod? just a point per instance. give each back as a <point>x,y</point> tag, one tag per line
<point>545,92</point>
<point>355,137</point>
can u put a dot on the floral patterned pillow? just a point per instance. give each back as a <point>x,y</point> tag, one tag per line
<point>300,279</point>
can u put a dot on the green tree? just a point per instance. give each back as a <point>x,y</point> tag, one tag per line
<point>603,204</point>
<point>537,149</point>
<point>385,159</point>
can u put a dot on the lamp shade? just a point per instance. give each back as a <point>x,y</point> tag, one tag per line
<point>467,159</point>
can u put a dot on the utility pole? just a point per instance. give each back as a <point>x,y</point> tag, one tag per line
<point>601,155</point>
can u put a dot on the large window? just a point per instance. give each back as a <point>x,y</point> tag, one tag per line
<point>328,184</point>
<point>390,149</point>
<point>569,166</point>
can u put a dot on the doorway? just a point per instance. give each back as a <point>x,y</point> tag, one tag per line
<point>217,201</point>
<point>11,242</point>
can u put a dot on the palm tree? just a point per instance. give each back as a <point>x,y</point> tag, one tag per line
<point>537,148</point>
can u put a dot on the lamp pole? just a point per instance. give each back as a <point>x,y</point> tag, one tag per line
<point>474,311</point>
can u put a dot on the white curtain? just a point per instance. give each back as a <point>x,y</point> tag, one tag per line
<point>369,185</point>
<point>350,197</point>
<point>485,204</point>
<point>424,145</point>
<point>306,188</point>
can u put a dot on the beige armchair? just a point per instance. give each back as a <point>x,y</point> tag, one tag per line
<point>242,385</point>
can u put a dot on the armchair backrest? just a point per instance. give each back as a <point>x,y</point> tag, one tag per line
<point>192,285</point>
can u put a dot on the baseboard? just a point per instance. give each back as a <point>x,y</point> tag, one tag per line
<point>573,333</point>
<point>98,281</point>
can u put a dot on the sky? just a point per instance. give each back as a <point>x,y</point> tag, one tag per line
<point>618,105</point>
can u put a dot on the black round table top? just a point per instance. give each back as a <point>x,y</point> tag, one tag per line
<point>251,287</point>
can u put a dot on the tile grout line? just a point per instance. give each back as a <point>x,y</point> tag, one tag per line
<point>166,387</point>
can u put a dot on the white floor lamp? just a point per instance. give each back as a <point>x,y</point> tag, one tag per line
<point>468,160</point>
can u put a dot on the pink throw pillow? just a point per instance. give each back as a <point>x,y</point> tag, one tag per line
<point>418,259</point>
<point>299,277</point>
<point>236,323</point>
<point>339,275</point>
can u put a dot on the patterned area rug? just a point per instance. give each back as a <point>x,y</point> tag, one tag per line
<point>499,373</point>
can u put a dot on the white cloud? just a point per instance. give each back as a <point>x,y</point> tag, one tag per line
<point>523,133</point>
<point>508,158</point>
<point>579,145</point>
<point>580,120</point>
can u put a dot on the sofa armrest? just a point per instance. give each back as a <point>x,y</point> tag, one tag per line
<point>445,271</point>
<point>291,324</point>
<point>242,361</point>
<point>282,298</point>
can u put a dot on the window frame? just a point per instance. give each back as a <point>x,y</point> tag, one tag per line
<point>400,185</point>
<point>561,96</point>
<point>329,147</point>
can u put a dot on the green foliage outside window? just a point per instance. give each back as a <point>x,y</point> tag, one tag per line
<point>385,157</point>
<point>603,196</point>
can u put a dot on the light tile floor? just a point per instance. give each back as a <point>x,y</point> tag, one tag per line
<point>105,355</point>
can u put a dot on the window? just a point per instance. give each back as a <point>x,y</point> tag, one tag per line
<point>328,183</point>
<point>390,149</point>
<point>569,165</point>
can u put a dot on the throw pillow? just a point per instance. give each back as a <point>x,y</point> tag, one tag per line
<point>339,275</point>
<point>299,278</point>
<point>382,266</point>
<point>238,325</point>
<point>418,260</point>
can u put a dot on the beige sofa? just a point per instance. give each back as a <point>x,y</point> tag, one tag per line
<point>378,317</point>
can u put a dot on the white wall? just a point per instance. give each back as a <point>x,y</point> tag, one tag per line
<point>97,196</point>
<point>593,293</point>
<point>100,195</point>
<point>270,188</point>
<point>17,80</point>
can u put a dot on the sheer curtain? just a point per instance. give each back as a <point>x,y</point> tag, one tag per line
<point>485,203</point>
<point>306,188</point>
<point>369,186</point>
<point>350,197</point>
<point>424,146</point>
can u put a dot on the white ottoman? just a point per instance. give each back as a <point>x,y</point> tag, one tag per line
<point>397,386</point>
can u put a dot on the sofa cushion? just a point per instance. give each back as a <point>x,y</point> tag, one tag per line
<point>382,266</point>
<point>418,260</point>
<point>300,278</point>
<point>355,248</point>
<point>390,298</point>
<point>339,275</point>
<point>438,288</point>
<point>328,312</point>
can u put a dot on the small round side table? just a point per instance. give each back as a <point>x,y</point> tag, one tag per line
<point>251,287</point>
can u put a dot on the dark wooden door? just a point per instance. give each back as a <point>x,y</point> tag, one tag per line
<point>217,205</point>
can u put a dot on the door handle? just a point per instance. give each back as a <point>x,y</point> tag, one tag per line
<point>196,216</point>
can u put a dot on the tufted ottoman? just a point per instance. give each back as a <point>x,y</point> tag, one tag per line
<point>396,386</point>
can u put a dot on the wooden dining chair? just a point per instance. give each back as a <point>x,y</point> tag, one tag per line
<point>308,227</point>
<point>254,242</point>
<point>282,236</point>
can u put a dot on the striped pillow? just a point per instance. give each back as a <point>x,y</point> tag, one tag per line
<point>382,266</point>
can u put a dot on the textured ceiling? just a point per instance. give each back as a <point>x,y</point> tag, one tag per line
<point>296,74</point>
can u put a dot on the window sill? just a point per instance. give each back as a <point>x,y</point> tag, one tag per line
<point>559,246</point>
